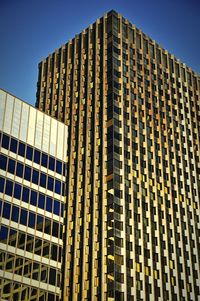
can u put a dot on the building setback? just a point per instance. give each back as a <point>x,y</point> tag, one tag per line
<point>133,165</point>
<point>32,188</point>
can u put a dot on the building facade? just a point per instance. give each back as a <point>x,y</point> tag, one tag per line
<point>32,188</point>
<point>133,173</point>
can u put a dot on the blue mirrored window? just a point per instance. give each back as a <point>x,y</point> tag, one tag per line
<point>44,160</point>
<point>6,210</point>
<point>17,191</point>
<point>56,209</point>
<point>20,170</point>
<point>41,201</point>
<point>35,177</point>
<point>15,214</point>
<point>59,167</point>
<point>51,163</point>
<point>33,199</point>
<point>3,234</point>
<point>50,183</point>
<point>43,180</point>
<point>2,183</point>
<point>3,162</point>
<point>21,149</point>
<point>31,220</point>
<point>37,156</point>
<point>29,153</point>
<point>23,217</point>
<point>5,141</point>
<point>25,194</point>
<point>57,186</point>
<point>11,166</point>
<point>13,145</point>
<point>27,173</point>
<point>9,188</point>
<point>48,204</point>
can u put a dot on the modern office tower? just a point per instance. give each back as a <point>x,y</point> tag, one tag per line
<point>133,172</point>
<point>32,187</point>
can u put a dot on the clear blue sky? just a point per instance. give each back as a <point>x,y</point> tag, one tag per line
<point>31,29</point>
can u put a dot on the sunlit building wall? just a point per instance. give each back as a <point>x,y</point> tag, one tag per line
<point>32,188</point>
<point>133,172</point>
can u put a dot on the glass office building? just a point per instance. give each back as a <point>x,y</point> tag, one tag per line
<point>133,186</point>
<point>32,188</point>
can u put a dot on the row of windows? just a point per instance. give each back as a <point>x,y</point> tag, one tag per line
<point>32,154</point>
<point>29,268</point>
<point>29,243</point>
<point>30,219</point>
<point>31,196</point>
<point>17,291</point>
<point>31,175</point>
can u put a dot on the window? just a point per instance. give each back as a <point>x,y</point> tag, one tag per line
<point>35,177</point>
<point>43,180</point>
<point>41,201</point>
<point>15,214</point>
<point>27,173</point>
<point>3,162</point>
<point>17,191</point>
<point>31,220</point>
<point>39,223</point>
<point>5,141</point>
<point>4,234</point>
<point>49,204</point>
<point>25,194</point>
<point>9,188</point>
<point>33,199</point>
<point>19,170</point>
<point>29,153</point>
<point>11,166</point>
<point>59,167</point>
<point>56,209</point>
<point>6,210</point>
<point>2,182</point>
<point>44,160</point>
<point>23,217</point>
<point>57,186</point>
<point>55,229</point>
<point>51,163</point>
<point>37,156</point>
<point>21,149</point>
<point>13,145</point>
<point>50,183</point>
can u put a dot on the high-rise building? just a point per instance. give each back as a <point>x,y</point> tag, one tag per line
<point>133,164</point>
<point>32,188</point>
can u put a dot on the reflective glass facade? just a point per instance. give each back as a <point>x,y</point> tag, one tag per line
<point>32,188</point>
<point>133,186</point>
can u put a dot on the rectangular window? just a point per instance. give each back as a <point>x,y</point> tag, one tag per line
<point>21,149</point>
<point>3,162</point>
<point>9,188</point>
<point>5,141</point>
<point>6,210</point>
